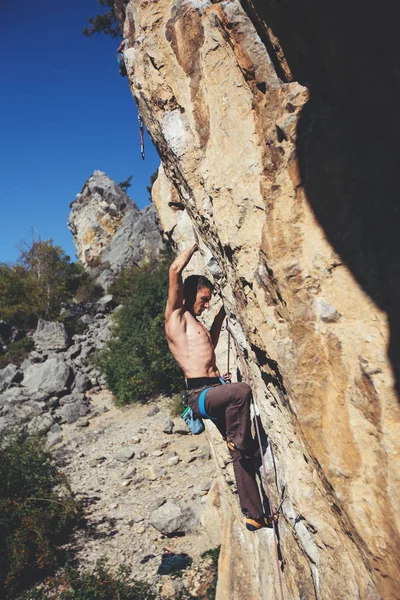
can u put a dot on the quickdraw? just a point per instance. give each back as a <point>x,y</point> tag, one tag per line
<point>141,133</point>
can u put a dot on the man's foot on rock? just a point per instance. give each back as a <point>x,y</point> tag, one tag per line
<point>255,524</point>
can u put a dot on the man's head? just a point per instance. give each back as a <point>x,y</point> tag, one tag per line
<point>197,292</point>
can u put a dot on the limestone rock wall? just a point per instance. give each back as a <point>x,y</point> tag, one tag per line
<point>109,230</point>
<point>294,200</point>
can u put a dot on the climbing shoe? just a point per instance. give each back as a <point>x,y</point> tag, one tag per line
<point>255,524</point>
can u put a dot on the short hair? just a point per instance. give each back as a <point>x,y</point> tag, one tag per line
<point>194,283</point>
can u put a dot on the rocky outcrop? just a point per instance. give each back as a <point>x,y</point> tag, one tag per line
<point>53,385</point>
<point>282,182</point>
<point>109,230</point>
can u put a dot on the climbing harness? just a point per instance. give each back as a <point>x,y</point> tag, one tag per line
<point>141,133</point>
<point>272,518</point>
<point>202,405</point>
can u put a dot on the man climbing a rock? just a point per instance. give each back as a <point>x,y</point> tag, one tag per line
<point>228,405</point>
<point>121,57</point>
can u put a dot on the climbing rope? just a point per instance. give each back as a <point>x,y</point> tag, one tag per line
<point>273,516</point>
<point>141,133</point>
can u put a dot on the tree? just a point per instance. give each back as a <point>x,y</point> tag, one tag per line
<point>47,270</point>
<point>15,306</point>
<point>136,362</point>
<point>38,283</point>
<point>124,185</point>
<point>106,22</point>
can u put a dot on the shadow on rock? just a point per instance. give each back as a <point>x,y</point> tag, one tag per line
<point>350,180</point>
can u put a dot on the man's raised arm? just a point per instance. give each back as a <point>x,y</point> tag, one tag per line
<point>175,291</point>
<point>217,325</point>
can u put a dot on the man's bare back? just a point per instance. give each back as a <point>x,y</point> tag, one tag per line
<point>190,343</point>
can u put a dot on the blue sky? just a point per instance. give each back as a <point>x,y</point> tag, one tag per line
<point>64,112</point>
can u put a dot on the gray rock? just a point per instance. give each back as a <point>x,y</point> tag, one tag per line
<point>153,473</point>
<point>141,454</point>
<point>124,454</point>
<point>137,518</point>
<point>73,352</point>
<point>25,364</point>
<point>52,376</point>
<point>157,502</point>
<point>180,427</point>
<point>129,473</point>
<point>135,439</point>
<point>53,439</point>
<point>87,320</point>
<point>70,398</point>
<point>36,357</point>
<point>105,278</point>
<point>105,303</point>
<point>50,336</point>
<point>168,426</point>
<point>13,396</point>
<point>153,410</point>
<point>171,518</point>
<point>55,428</point>
<point>71,412</point>
<point>172,461</point>
<point>41,424</point>
<point>8,375</point>
<point>328,313</point>
<point>82,383</point>
<point>86,351</point>
<point>28,411</point>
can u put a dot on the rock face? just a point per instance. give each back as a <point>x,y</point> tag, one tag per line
<point>109,230</point>
<point>282,184</point>
<point>53,384</point>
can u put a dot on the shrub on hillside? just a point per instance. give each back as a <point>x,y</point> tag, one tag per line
<point>73,323</point>
<point>98,584</point>
<point>42,279</point>
<point>37,509</point>
<point>17,352</point>
<point>136,362</point>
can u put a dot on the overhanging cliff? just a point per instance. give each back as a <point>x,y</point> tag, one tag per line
<point>292,189</point>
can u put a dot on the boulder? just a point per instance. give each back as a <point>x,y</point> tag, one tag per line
<point>170,519</point>
<point>53,376</point>
<point>8,375</point>
<point>50,336</point>
<point>82,383</point>
<point>41,423</point>
<point>125,454</point>
<point>13,396</point>
<point>71,412</point>
<point>105,304</point>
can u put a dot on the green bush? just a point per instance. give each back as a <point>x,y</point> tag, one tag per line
<point>37,509</point>
<point>98,584</point>
<point>17,352</point>
<point>213,555</point>
<point>137,363</point>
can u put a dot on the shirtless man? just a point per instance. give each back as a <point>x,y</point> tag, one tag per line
<point>228,405</point>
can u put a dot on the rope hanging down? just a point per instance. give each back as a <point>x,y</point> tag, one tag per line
<point>141,133</point>
<point>273,516</point>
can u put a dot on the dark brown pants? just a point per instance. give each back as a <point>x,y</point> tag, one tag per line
<point>230,406</point>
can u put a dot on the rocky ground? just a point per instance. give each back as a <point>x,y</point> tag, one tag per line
<point>144,482</point>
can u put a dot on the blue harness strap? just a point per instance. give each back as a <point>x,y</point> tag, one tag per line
<point>202,405</point>
<point>202,402</point>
